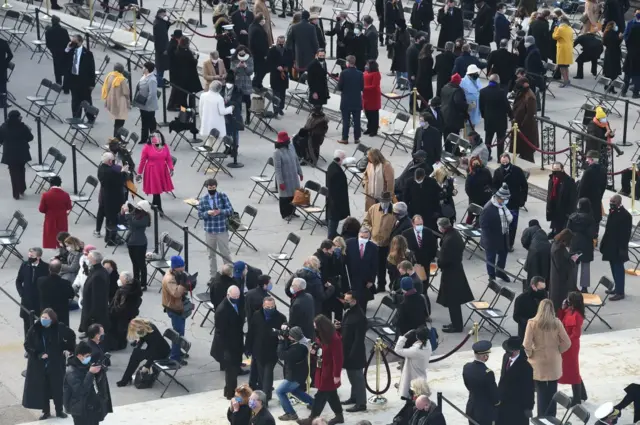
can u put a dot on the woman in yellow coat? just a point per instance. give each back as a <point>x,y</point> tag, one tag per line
<point>563,34</point>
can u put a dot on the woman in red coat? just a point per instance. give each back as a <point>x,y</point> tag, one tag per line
<point>572,316</point>
<point>55,204</point>
<point>371,97</point>
<point>328,369</point>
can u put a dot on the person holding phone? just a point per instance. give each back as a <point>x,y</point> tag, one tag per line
<point>572,317</point>
<point>239,412</point>
<point>563,273</point>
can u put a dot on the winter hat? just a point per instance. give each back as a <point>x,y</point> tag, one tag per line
<point>283,137</point>
<point>144,205</point>
<point>456,79</point>
<point>600,113</point>
<point>296,333</point>
<point>177,33</point>
<point>406,283</point>
<point>400,208</point>
<point>88,248</point>
<point>503,192</point>
<point>420,154</point>
<point>177,262</point>
<point>238,269</point>
<point>473,69</point>
<point>529,41</point>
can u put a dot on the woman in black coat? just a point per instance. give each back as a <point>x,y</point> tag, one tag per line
<point>563,269</point>
<point>400,46</point>
<point>585,230</point>
<point>338,201</point>
<point>536,242</point>
<point>233,122</point>
<point>184,74</point>
<point>239,412</point>
<point>350,228</point>
<point>15,137</point>
<point>123,308</point>
<point>45,344</point>
<point>424,79</point>
<point>613,54</point>
<point>151,346</point>
<point>478,185</point>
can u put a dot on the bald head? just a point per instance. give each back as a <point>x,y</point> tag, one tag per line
<point>55,266</point>
<point>423,402</point>
<point>233,292</point>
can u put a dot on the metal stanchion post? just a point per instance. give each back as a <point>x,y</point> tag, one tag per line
<point>185,230</point>
<point>47,17</point>
<point>515,142</point>
<point>129,78</point>
<point>134,28</point>
<point>332,24</point>
<point>6,5</point>
<point>574,160</point>
<point>624,126</point>
<point>414,102</point>
<point>200,24</point>
<point>156,230</point>
<point>439,400</point>
<point>378,347</point>
<point>5,105</point>
<point>74,163</point>
<point>476,330</point>
<point>39,136</point>
<point>544,96</point>
<point>634,170</point>
<point>38,22</point>
<point>358,10</point>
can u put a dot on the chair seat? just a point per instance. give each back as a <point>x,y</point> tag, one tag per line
<point>80,126</point>
<point>546,421</point>
<point>167,364</point>
<point>279,256</point>
<point>160,264</point>
<point>312,210</point>
<point>391,95</point>
<point>35,98</point>
<point>202,297</point>
<point>243,228</point>
<point>260,179</point>
<point>634,245</point>
<point>592,300</point>
<point>73,120</point>
<point>192,201</point>
<point>11,240</point>
<point>80,198</point>
<point>491,313</point>
<point>376,322</point>
<point>477,305</point>
<point>201,148</point>
<point>46,174</point>
<point>40,167</point>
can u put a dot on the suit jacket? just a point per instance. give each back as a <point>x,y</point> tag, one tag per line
<point>503,63</point>
<point>425,254</point>
<point>494,108</point>
<point>501,28</point>
<point>362,270</point>
<point>338,199</point>
<point>86,77</point>
<point>515,390</point>
<point>371,34</point>
<point>351,84</point>
<point>242,24</point>
<point>57,39</point>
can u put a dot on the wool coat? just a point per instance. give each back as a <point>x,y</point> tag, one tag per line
<point>525,308</point>
<point>14,139</point>
<point>117,101</point>
<point>454,287</point>
<point>563,275</point>
<point>338,199</point>
<point>54,204</point>
<point>585,230</point>
<point>612,55</point>
<point>538,247</point>
<point>416,363</point>
<point>303,41</point>
<point>332,363</point>
<point>259,6</point>
<point>95,299</point>
<point>227,345</point>
<point>156,166</point>
<point>317,81</point>
<point>424,77</point>
<point>388,177</point>
<point>572,322</point>
<point>56,292</point>
<point>544,349</point>
<point>516,390</point>
<point>563,34</point>
<point>372,95</point>
<point>279,80</point>
<point>472,95</point>
<point>564,204</point>
<point>209,73</point>
<point>243,74</point>
<point>212,113</point>
<point>288,171</point>
<point>27,285</point>
<point>353,329</point>
<point>592,186</point>
<point>524,111</point>
<point>614,245</point>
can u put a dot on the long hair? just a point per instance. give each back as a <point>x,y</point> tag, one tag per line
<point>373,65</point>
<point>139,328</point>
<point>397,250</point>
<point>426,51</point>
<point>73,243</point>
<point>609,27</point>
<point>576,302</point>
<point>351,225</point>
<point>325,329</point>
<point>546,316</point>
<point>375,157</point>
<point>52,315</point>
<point>564,237</point>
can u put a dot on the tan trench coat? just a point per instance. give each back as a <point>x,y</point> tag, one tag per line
<point>209,73</point>
<point>544,350</point>
<point>117,101</point>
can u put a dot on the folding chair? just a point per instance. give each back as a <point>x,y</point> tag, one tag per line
<point>39,46</point>
<point>48,162</point>
<point>433,273</point>
<point>41,93</point>
<point>263,181</point>
<point>634,247</point>
<point>20,31</point>
<point>12,226</point>
<point>483,303</point>
<point>562,400</point>
<point>396,98</point>
<point>9,244</point>
<point>594,303</point>
<point>5,26</point>
<point>167,366</point>
<point>396,132</point>
<point>242,232</point>
<point>381,321</point>
<point>82,199</point>
<point>105,34</point>
<point>102,69</point>
<point>204,298</point>
<point>168,247</point>
<point>216,156</point>
<point>97,21</point>
<point>282,258</point>
<point>494,317</point>
<point>45,107</point>
<point>314,188</point>
<point>80,128</point>
<point>550,70</point>
<point>469,233</point>
<point>356,174</point>
<point>43,177</point>
<point>193,204</point>
<point>607,99</point>
<point>314,212</point>
<point>209,145</point>
<point>580,412</point>
<point>263,116</point>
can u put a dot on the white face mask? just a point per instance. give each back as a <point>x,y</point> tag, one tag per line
<point>229,86</point>
<point>362,241</point>
<point>356,31</point>
<point>603,120</point>
<point>214,60</point>
<point>119,282</point>
<point>165,18</point>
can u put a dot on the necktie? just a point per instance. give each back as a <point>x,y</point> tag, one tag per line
<point>419,238</point>
<point>76,62</point>
<point>361,250</point>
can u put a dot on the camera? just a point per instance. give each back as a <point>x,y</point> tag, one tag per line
<point>284,333</point>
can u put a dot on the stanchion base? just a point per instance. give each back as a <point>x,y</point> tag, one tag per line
<point>7,6</point>
<point>201,26</point>
<point>235,165</point>
<point>632,272</point>
<point>377,399</point>
<point>163,124</point>
<point>133,44</point>
<point>623,144</point>
<point>45,18</point>
<point>634,212</point>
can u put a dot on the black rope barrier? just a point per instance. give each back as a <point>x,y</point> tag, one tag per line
<point>383,357</point>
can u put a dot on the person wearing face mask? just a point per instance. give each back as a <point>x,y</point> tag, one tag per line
<point>526,304</point>
<point>55,292</point>
<point>403,222</point>
<point>380,220</point>
<point>242,65</point>
<point>524,112</point>
<point>303,40</point>
<point>480,381</point>
<point>95,294</point>
<point>612,42</point>
<point>353,328</point>
<point>259,45</point>
<point>213,70</point>
<point>357,47</point>
<point>258,405</point>
<point>471,86</point>
<point>112,178</point>
<point>600,128</point>
<point>562,197</point>
<point>97,341</point>
<point>112,269</point>
<point>241,19</point>
<point>47,344</point>
<point>422,196</point>
<point>317,79</point>
<point>351,86</point>
<point>536,242</point>
<point>455,110</point>
<point>27,285</point>
<point>405,56</point>
<point>279,63</point>
<point>227,345</point>
<point>495,109</point>
<point>420,160</point>
<point>175,288</point>
<point>151,346</point>
<point>146,100</point>
<point>81,76</point>
<point>451,25</point>
<point>516,387</point>
<point>534,66</point>
<point>261,344</point>
<point>161,27</point>
<point>338,202</point>
<point>155,169</point>
<point>615,243</point>
<point>362,265</point>
<point>495,221</point>
<point>124,307</point>
<point>593,183</point>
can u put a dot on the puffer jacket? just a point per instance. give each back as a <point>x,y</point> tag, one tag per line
<point>85,394</point>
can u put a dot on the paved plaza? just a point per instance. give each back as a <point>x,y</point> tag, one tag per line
<point>608,358</point>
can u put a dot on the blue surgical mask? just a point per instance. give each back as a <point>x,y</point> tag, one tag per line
<point>270,287</point>
<point>238,399</point>
<point>505,202</point>
<point>638,16</point>
<point>615,28</point>
<point>603,120</point>
<point>337,251</point>
<point>233,300</point>
<point>45,322</point>
<point>86,360</point>
<point>419,228</point>
<point>253,403</point>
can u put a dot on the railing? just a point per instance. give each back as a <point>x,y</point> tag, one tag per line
<point>442,399</point>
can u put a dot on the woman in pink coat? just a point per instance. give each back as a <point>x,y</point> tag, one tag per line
<point>156,168</point>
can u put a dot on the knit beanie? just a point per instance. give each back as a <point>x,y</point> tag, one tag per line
<point>456,79</point>
<point>503,192</point>
<point>296,333</point>
<point>600,113</point>
<point>406,283</point>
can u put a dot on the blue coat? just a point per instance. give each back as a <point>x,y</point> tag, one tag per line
<point>361,270</point>
<point>472,95</point>
<point>351,85</point>
<point>501,28</point>
<point>492,238</point>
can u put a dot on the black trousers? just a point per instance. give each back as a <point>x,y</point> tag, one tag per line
<point>455,314</point>
<point>78,95</point>
<point>545,391</point>
<point>579,393</point>
<point>117,124</point>
<point>59,67</point>
<point>373,121</point>
<point>111,225</point>
<point>260,70</point>
<point>137,356</point>
<point>157,201</point>
<point>488,140</point>
<point>281,95</point>
<point>286,209</point>
<point>580,61</point>
<point>99,217</point>
<point>48,394</point>
<point>26,325</point>
<point>148,123</point>
<point>383,253</point>
<point>81,420</point>
<point>265,376</point>
<point>246,98</point>
<point>18,179</point>
<point>231,372</point>
<point>321,399</point>
<point>138,263</point>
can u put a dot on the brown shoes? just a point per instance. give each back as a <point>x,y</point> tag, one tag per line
<point>343,142</point>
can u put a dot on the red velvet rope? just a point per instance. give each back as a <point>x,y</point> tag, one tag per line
<point>616,173</point>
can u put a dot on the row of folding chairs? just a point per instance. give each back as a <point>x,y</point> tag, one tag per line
<point>45,100</point>
<point>11,236</point>
<point>14,26</point>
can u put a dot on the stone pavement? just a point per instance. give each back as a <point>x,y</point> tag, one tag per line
<point>202,375</point>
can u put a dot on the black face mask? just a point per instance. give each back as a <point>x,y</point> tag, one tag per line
<point>556,173</point>
<point>32,260</point>
<point>612,206</point>
<point>212,192</point>
<point>474,76</point>
<point>321,60</point>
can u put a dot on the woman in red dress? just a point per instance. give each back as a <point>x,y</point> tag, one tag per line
<point>572,316</point>
<point>372,97</point>
<point>55,204</point>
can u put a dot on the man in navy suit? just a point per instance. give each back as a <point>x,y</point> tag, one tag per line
<point>362,266</point>
<point>351,86</point>
<point>81,75</point>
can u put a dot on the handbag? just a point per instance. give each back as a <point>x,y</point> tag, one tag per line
<point>187,307</point>
<point>301,198</point>
<point>361,165</point>
<point>233,221</point>
<point>145,378</point>
<point>140,99</point>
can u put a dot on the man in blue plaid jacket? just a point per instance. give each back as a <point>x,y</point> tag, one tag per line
<point>213,209</point>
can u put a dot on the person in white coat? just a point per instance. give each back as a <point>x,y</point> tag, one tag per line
<point>416,358</point>
<point>212,110</point>
<point>81,277</point>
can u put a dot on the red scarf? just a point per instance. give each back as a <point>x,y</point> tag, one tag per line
<point>555,182</point>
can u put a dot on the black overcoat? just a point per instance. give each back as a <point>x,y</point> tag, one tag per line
<point>55,292</point>
<point>454,287</point>
<point>353,329</point>
<point>338,199</point>
<point>279,81</point>
<point>227,345</point>
<point>95,299</point>
<point>614,245</point>
<point>515,391</point>
<point>563,276</point>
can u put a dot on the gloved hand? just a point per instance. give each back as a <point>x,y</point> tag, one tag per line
<point>282,186</point>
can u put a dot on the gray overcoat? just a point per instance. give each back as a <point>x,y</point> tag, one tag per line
<point>288,169</point>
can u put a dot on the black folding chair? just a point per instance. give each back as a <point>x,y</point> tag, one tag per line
<point>82,199</point>
<point>242,231</point>
<point>381,321</point>
<point>168,247</point>
<point>562,400</point>
<point>263,181</point>
<point>204,298</point>
<point>9,244</point>
<point>594,303</point>
<point>170,367</point>
<point>494,317</point>
<point>483,303</point>
<point>356,174</point>
<point>193,205</point>
<point>282,258</point>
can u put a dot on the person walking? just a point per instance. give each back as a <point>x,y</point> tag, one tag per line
<point>55,204</point>
<point>380,219</point>
<point>56,39</point>
<point>161,25</point>
<point>288,174</point>
<point>115,93</point>
<point>378,177</point>
<point>564,272</point>
<point>47,344</point>
<point>494,224</point>
<point>496,111</point>
<point>14,139</point>
<point>260,7</point>
<point>454,109</point>
<point>351,86</point>
<point>614,245</point>
<point>353,328</point>
<point>213,111</point>
<point>544,342</point>
<point>443,65</point>
<point>279,65</point>
<point>293,350</point>
<point>112,178</point>
<point>213,209</point>
<point>585,230</point>
<point>242,67</point>
<point>146,99</point>
<point>338,200</point>
<point>372,97</point>
<point>27,286</point>
<point>572,317</point>
<point>424,77</point>
<point>155,169</point>
<point>303,41</point>
<point>259,44</point>
<point>561,198</point>
<point>563,34</point>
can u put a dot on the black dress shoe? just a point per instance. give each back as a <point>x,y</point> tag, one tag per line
<point>349,401</point>
<point>357,408</point>
<point>44,416</point>
<point>62,415</point>
<point>451,330</point>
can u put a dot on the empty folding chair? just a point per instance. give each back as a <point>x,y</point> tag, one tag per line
<point>45,107</point>
<point>160,263</point>
<point>594,303</point>
<point>282,258</point>
<point>41,93</point>
<point>263,181</point>
<point>560,399</point>
<point>12,226</point>
<point>193,204</point>
<point>42,178</point>
<point>49,161</point>
<point>82,199</point>
<point>381,323</point>
<point>396,132</point>
<point>357,173</point>
<point>80,128</point>
<point>9,244</point>
<point>241,231</point>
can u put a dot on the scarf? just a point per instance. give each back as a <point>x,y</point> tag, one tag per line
<point>505,216</point>
<point>555,182</point>
<point>116,79</point>
<point>376,181</point>
<point>605,126</point>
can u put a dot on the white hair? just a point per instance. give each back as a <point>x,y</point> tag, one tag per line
<point>96,256</point>
<point>128,276</point>
<point>215,86</point>
<point>299,283</point>
<point>107,156</point>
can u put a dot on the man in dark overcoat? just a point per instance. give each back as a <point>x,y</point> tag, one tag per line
<point>95,295</point>
<point>5,58</point>
<point>317,80</point>
<point>362,266</point>
<point>227,345</point>
<point>303,40</point>
<point>353,329</point>
<point>484,24</point>
<point>161,27</point>
<point>562,197</point>
<point>112,178</point>
<point>615,243</point>
<point>279,63</point>
<point>443,66</point>
<point>593,184</point>
<point>515,389</point>
<point>454,287</point>
<point>27,285</point>
<point>481,382</point>
<point>451,25</point>
<point>55,292</point>
<point>241,19</point>
<point>302,308</point>
<point>338,199</point>
<point>57,38</point>
<point>495,110</point>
